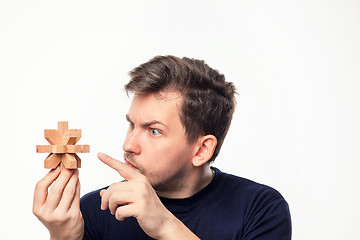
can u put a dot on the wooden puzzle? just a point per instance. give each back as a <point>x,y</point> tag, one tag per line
<point>62,149</point>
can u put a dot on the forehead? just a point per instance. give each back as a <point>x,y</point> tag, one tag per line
<point>162,107</point>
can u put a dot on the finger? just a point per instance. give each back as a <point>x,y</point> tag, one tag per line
<point>69,192</point>
<point>123,169</point>
<point>75,205</point>
<point>102,192</point>
<point>120,198</point>
<point>115,187</point>
<point>105,195</point>
<point>123,212</point>
<point>41,188</point>
<point>57,189</point>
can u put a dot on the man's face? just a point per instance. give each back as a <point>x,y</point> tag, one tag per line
<point>156,143</point>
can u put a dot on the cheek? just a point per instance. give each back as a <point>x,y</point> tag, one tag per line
<point>169,149</point>
<point>164,153</point>
<point>175,154</point>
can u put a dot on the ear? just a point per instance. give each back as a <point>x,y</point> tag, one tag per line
<point>205,149</point>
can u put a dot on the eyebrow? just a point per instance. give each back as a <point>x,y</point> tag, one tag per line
<point>146,124</point>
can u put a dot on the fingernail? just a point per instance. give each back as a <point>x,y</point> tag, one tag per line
<point>101,155</point>
<point>57,169</point>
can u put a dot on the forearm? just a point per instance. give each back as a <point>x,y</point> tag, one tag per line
<point>66,238</point>
<point>175,229</point>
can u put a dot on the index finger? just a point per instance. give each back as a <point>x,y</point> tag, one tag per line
<point>41,188</point>
<point>123,169</point>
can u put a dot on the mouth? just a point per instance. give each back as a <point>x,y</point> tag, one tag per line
<point>128,160</point>
<point>129,164</point>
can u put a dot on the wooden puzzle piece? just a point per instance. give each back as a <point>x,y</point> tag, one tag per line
<point>62,149</point>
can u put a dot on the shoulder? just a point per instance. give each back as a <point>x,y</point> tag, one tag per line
<point>247,188</point>
<point>266,213</point>
<point>91,196</point>
<point>253,196</point>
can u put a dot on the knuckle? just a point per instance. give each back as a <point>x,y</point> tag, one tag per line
<point>119,215</point>
<point>142,178</point>
<point>39,185</point>
<point>47,218</point>
<point>52,217</point>
<point>40,214</point>
<point>111,200</point>
<point>143,186</point>
<point>69,191</point>
<point>111,187</point>
<point>36,212</point>
<point>57,218</point>
<point>54,190</point>
<point>144,195</point>
<point>73,216</point>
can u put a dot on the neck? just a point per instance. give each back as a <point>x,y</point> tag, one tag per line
<point>190,184</point>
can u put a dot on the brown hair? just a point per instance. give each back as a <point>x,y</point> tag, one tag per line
<point>208,100</point>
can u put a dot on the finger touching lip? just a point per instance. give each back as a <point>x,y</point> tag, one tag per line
<point>129,164</point>
<point>127,157</point>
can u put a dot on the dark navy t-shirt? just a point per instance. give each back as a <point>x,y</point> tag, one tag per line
<point>230,207</point>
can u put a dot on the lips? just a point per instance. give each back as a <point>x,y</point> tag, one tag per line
<point>129,164</point>
<point>127,157</point>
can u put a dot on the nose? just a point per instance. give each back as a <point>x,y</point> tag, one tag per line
<point>131,143</point>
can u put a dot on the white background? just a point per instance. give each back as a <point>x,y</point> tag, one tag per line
<point>295,64</point>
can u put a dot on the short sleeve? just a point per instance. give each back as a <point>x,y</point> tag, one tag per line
<point>268,218</point>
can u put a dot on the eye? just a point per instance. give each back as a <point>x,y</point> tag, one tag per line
<point>155,132</point>
<point>131,127</point>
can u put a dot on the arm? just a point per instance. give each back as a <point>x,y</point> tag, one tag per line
<point>58,209</point>
<point>269,219</point>
<point>138,199</point>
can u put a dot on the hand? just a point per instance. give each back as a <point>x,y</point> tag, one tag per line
<point>139,200</point>
<point>59,209</point>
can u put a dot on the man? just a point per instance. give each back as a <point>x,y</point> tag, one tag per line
<point>179,116</point>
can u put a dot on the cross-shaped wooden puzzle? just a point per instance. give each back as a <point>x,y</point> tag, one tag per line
<point>62,149</point>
